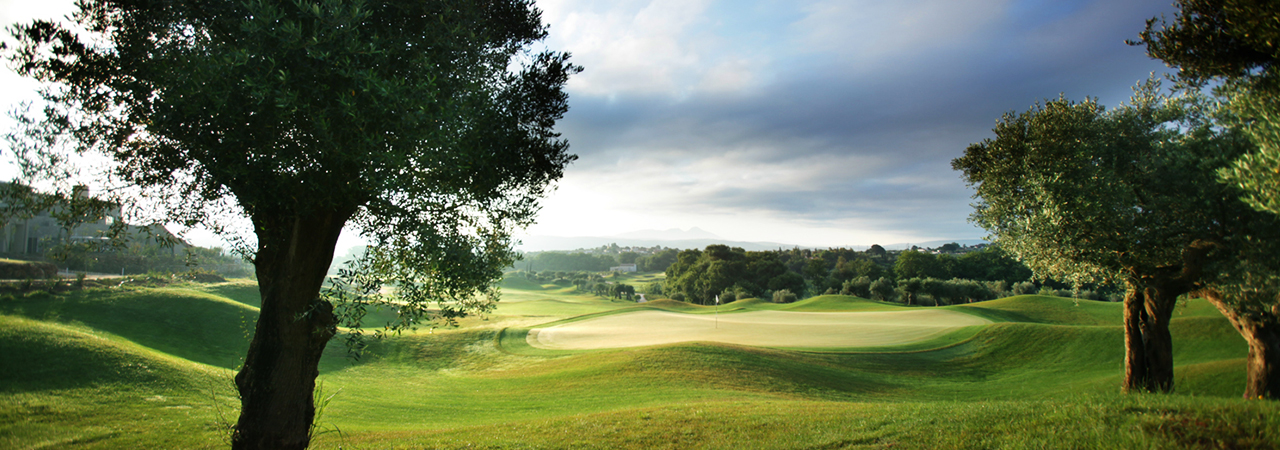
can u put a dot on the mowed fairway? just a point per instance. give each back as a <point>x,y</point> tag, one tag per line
<point>779,329</point>
<point>153,367</point>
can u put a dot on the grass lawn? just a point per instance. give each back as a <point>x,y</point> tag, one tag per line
<point>152,368</point>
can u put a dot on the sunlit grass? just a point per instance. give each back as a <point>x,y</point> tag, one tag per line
<point>151,368</point>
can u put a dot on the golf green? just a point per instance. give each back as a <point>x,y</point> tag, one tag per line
<point>756,328</point>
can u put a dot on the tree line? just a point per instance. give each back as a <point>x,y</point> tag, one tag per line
<point>582,281</point>
<point>699,276</point>
<point>595,261</point>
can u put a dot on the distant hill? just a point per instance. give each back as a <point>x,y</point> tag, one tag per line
<point>553,243</point>
<point>935,244</point>
<point>673,234</point>
<point>693,238</point>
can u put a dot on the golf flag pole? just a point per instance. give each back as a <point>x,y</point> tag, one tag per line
<point>717,312</point>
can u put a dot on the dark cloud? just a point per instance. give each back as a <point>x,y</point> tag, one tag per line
<point>861,138</point>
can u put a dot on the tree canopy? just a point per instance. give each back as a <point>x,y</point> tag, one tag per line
<point>426,125</point>
<point>1237,42</point>
<point>701,275</point>
<point>1236,39</point>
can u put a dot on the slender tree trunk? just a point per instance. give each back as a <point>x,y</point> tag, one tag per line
<point>1159,303</point>
<point>277,380</point>
<point>1263,336</point>
<point>1136,374</point>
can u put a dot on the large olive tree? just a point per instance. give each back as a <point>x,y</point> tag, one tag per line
<point>1237,44</point>
<point>1126,196</point>
<point>425,124</point>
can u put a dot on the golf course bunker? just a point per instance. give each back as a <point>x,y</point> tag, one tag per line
<point>756,328</point>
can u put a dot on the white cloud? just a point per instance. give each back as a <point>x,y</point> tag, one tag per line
<point>670,48</point>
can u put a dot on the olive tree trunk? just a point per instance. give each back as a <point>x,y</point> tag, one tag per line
<point>1148,343</point>
<point>1135,359</point>
<point>1262,333</point>
<point>1148,309</point>
<point>294,325</point>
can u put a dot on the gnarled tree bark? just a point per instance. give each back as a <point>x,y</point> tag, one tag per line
<point>1262,333</point>
<point>1148,309</point>
<point>294,325</point>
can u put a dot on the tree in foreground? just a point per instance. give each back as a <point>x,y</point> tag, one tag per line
<point>1127,196</point>
<point>426,125</point>
<point>1238,43</point>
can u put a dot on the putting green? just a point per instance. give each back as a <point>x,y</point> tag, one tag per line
<point>756,328</point>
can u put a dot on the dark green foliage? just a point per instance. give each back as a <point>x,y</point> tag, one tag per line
<point>876,251</point>
<point>657,262</point>
<point>914,264</point>
<point>1060,181</point>
<point>622,291</point>
<point>700,275</point>
<point>991,264</point>
<point>815,270</point>
<point>909,289</point>
<point>882,289</point>
<point>628,257</point>
<point>1238,42</point>
<point>565,261</point>
<point>1233,39</point>
<point>858,287</point>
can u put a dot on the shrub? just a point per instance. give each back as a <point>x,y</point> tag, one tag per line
<point>17,270</point>
<point>202,276</point>
<point>1024,288</point>
<point>783,296</point>
<point>998,288</point>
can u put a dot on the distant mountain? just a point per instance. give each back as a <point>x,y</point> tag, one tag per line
<point>557,243</point>
<point>693,238</point>
<point>935,244</point>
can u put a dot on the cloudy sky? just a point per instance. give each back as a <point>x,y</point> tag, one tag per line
<point>821,123</point>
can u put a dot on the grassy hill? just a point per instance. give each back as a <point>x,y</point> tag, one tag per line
<point>152,367</point>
